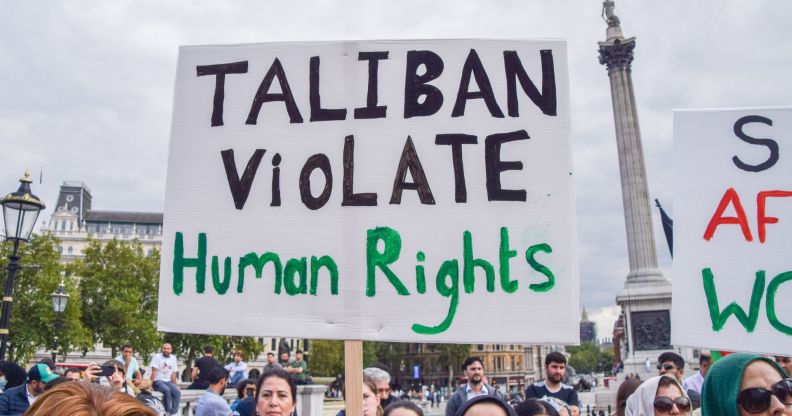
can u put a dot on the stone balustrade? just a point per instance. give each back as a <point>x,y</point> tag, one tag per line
<point>310,399</point>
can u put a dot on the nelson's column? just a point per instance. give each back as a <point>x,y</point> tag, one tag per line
<point>646,297</point>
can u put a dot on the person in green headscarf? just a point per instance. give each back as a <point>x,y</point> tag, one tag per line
<point>746,384</point>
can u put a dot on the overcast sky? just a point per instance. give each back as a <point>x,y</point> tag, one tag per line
<point>87,87</point>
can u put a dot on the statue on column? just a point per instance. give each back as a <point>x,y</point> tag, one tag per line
<point>607,13</point>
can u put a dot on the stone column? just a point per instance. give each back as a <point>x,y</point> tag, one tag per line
<point>646,297</point>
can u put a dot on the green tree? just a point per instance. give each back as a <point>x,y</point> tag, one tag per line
<point>452,356</point>
<point>32,323</point>
<point>391,354</point>
<point>327,358</point>
<point>588,358</point>
<point>190,347</point>
<point>119,295</point>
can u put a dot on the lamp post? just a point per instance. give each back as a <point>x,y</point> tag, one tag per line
<point>20,212</point>
<point>59,300</point>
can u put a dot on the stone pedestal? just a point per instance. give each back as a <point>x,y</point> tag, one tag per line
<point>310,400</point>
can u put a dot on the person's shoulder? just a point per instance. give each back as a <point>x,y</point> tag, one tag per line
<point>537,385</point>
<point>567,387</point>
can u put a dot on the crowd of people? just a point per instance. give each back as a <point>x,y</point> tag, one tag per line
<point>737,384</point>
<point>121,382</point>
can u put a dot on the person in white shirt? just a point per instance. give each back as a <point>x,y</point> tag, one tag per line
<point>237,370</point>
<point>694,384</point>
<point>164,371</point>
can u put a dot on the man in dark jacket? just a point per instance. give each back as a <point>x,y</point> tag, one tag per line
<point>474,371</point>
<point>16,400</point>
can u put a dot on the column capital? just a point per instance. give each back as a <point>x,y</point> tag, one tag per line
<point>617,54</point>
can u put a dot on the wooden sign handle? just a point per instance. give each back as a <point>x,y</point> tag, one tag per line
<point>353,377</point>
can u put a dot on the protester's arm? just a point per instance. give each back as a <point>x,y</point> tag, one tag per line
<point>153,377</point>
<point>574,403</point>
<point>300,367</point>
<point>193,373</point>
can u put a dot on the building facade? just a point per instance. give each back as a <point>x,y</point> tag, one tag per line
<point>75,223</point>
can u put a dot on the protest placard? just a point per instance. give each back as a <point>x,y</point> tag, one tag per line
<point>733,183</point>
<point>376,190</point>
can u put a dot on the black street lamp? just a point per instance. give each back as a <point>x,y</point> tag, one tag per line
<point>20,212</point>
<point>59,300</point>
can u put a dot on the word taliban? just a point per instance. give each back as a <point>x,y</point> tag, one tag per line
<point>292,277</point>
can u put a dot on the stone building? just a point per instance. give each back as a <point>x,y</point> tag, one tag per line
<point>588,329</point>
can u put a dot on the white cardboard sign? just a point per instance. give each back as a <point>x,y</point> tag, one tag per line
<point>376,190</point>
<point>732,264</point>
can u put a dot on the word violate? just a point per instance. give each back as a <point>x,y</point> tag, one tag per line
<point>293,276</point>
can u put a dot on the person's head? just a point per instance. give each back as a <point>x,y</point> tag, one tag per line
<point>246,386</point>
<point>238,356</point>
<point>270,358</point>
<point>217,378</point>
<point>704,362</point>
<point>659,396</point>
<point>486,405</point>
<point>145,385</point>
<point>116,379</point>
<point>277,394</point>
<point>672,364</point>
<point>254,373</point>
<point>381,380</point>
<point>55,381</point>
<point>48,361</point>
<point>127,351</point>
<point>208,350</point>
<point>298,355</point>
<point>284,356</point>
<point>37,377</point>
<point>87,399</point>
<point>535,407</point>
<point>72,373</point>
<point>746,384</point>
<point>371,402</point>
<point>13,373</point>
<point>167,349</point>
<point>555,367</point>
<point>474,370</point>
<point>627,388</point>
<point>403,408</point>
<point>785,363</point>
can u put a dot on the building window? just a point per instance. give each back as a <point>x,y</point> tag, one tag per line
<point>70,251</point>
<point>60,249</point>
<point>480,347</point>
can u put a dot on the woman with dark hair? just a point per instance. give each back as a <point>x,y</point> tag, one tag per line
<point>535,407</point>
<point>403,408</point>
<point>746,384</point>
<point>12,373</point>
<point>276,394</point>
